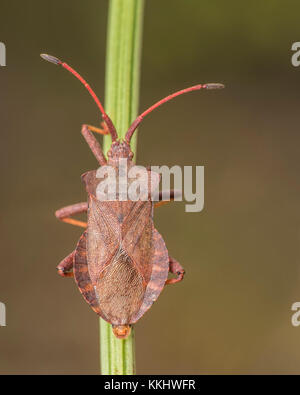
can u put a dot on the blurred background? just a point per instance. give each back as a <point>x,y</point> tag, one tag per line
<point>232,313</point>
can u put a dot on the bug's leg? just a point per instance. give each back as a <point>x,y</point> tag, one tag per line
<point>65,268</point>
<point>93,143</point>
<point>171,195</point>
<point>102,131</point>
<point>175,268</point>
<point>65,213</point>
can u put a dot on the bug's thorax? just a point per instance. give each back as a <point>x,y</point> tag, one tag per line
<point>119,149</point>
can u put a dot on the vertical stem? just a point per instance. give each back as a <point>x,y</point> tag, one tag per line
<point>121,103</point>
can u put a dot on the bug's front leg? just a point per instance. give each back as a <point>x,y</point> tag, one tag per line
<point>65,213</point>
<point>103,131</point>
<point>175,268</point>
<point>93,143</point>
<point>65,268</point>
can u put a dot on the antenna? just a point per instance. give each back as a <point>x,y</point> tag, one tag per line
<point>105,117</point>
<point>139,119</point>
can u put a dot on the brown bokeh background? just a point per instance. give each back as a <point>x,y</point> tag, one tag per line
<point>232,314</point>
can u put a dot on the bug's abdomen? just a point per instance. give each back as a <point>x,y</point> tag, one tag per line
<point>120,289</point>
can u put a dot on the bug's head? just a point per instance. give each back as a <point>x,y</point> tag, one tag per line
<point>119,150</point>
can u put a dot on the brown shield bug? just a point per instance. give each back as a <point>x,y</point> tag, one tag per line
<point>121,262</point>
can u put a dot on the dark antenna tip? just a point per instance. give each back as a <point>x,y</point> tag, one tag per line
<point>50,58</point>
<point>214,86</point>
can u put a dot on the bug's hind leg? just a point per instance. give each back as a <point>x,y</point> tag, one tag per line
<point>65,213</point>
<point>93,143</point>
<point>175,268</point>
<point>65,268</point>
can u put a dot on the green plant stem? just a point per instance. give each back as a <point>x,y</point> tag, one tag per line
<point>121,103</point>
